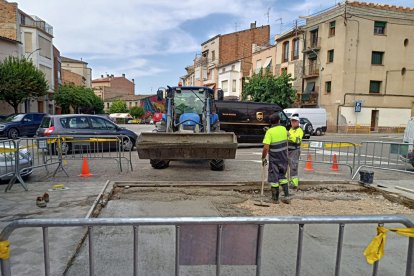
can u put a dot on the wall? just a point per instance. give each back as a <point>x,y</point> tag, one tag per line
<point>8,49</point>
<point>229,75</point>
<point>8,20</point>
<point>69,77</point>
<point>262,56</point>
<point>80,69</point>
<point>238,45</point>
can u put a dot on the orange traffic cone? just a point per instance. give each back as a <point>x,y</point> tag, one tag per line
<point>335,164</point>
<point>85,169</point>
<point>308,166</point>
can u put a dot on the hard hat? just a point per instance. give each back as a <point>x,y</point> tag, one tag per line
<point>296,118</point>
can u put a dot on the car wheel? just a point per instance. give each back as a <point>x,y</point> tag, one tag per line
<point>216,165</point>
<point>13,133</point>
<point>159,164</point>
<point>308,129</point>
<point>128,144</point>
<point>318,132</point>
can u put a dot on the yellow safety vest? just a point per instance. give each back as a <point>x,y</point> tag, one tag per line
<point>295,138</point>
<point>276,137</point>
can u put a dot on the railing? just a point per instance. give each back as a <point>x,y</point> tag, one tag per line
<point>34,153</point>
<point>226,240</point>
<point>324,152</point>
<point>306,99</point>
<point>389,156</point>
<point>314,43</point>
<point>311,70</point>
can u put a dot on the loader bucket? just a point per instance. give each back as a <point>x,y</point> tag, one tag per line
<point>178,146</point>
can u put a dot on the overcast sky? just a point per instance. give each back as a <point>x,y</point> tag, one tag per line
<point>152,41</point>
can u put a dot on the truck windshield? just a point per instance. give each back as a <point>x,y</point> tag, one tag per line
<point>187,102</point>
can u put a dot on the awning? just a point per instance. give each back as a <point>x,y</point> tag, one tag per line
<point>120,116</point>
<point>267,62</point>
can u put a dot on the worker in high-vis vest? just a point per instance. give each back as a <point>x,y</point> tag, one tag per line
<point>295,136</point>
<point>275,144</point>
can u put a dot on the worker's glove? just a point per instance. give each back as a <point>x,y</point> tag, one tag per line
<point>264,162</point>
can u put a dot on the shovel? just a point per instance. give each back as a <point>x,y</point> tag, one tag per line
<point>261,192</point>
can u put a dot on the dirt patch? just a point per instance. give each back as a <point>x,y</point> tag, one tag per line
<point>316,200</point>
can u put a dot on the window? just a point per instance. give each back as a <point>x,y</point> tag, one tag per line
<point>374,86</point>
<point>377,58</point>
<point>314,38</point>
<point>332,25</point>
<point>75,122</point>
<point>330,56</point>
<point>224,86</point>
<point>98,123</point>
<point>107,105</point>
<point>213,55</point>
<point>285,51</point>
<point>310,87</point>
<point>233,68</point>
<point>379,27</point>
<point>48,74</point>
<point>234,86</point>
<point>45,47</point>
<point>223,70</point>
<point>28,48</point>
<point>295,48</point>
<point>328,85</point>
<point>268,64</point>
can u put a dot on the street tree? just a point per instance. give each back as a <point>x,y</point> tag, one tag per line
<point>137,111</point>
<point>264,87</point>
<point>118,106</point>
<point>20,80</point>
<point>79,98</point>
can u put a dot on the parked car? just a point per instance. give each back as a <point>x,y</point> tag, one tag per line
<point>18,125</point>
<point>306,126</point>
<point>82,124</point>
<point>316,115</point>
<point>7,162</point>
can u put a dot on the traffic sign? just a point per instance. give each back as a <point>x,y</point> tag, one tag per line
<point>358,106</point>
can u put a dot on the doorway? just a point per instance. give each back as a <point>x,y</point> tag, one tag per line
<point>374,120</point>
<point>40,107</point>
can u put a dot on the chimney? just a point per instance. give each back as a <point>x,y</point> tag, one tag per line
<point>101,76</point>
<point>123,75</point>
<point>107,75</point>
<point>112,75</point>
<point>133,80</point>
<point>253,25</point>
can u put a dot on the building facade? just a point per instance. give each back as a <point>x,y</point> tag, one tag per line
<point>361,54</point>
<point>57,74</point>
<point>36,37</point>
<point>263,59</point>
<point>111,86</point>
<point>230,80</point>
<point>74,68</point>
<point>222,50</point>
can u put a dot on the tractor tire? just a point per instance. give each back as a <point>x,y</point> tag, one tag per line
<point>159,164</point>
<point>217,165</point>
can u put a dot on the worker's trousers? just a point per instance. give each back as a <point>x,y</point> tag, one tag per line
<point>294,156</point>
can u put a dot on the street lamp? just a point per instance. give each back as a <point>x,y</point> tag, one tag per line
<point>320,75</point>
<point>38,49</point>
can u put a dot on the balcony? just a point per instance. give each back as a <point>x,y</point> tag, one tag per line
<point>36,22</point>
<point>314,44</point>
<point>306,99</point>
<point>311,71</point>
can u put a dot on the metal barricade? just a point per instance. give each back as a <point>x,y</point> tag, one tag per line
<point>78,147</point>
<point>386,156</point>
<point>9,153</point>
<point>323,152</point>
<point>190,231</point>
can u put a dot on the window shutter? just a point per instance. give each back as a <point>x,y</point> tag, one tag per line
<point>380,24</point>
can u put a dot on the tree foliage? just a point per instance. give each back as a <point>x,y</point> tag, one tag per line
<point>20,80</point>
<point>137,111</point>
<point>79,98</point>
<point>118,106</point>
<point>264,87</point>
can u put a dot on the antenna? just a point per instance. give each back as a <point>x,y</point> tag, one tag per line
<point>281,23</point>
<point>268,15</point>
<point>236,26</point>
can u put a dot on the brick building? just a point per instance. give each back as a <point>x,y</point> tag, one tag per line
<point>69,77</point>
<point>225,49</point>
<point>76,72</point>
<point>111,86</point>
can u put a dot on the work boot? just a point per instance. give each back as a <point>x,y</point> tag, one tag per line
<point>286,198</point>
<point>275,195</point>
<point>40,202</point>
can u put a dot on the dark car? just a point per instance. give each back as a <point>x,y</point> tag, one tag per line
<point>17,125</point>
<point>307,127</point>
<point>248,120</point>
<point>82,124</point>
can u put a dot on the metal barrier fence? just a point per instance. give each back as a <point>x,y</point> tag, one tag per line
<point>237,240</point>
<point>323,152</point>
<point>43,152</point>
<point>385,156</point>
